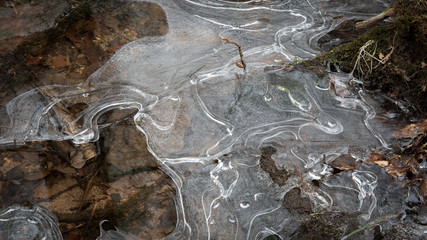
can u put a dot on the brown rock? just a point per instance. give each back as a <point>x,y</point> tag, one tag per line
<point>126,151</point>
<point>144,205</point>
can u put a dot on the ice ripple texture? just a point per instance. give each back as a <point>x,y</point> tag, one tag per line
<point>29,223</point>
<point>207,121</point>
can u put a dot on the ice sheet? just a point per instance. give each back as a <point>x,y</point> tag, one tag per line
<point>207,121</point>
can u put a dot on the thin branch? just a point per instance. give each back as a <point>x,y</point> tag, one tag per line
<point>369,22</point>
<point>242,63</point>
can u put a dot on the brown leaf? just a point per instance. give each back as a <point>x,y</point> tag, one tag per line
<point>382,163</point>
<point>395,171</point>
<point>64,169</point>
<point>344,162</point>
<point>77,159</point>
<point>424,187</point>
<point>376,156</point>
<point>411,130</point>
<point>37,175</point>
<point>41,191</point>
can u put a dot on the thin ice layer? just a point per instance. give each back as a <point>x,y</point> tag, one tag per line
<point>207,121</point>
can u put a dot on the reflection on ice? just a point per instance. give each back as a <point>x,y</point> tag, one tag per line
<point>209,122</point>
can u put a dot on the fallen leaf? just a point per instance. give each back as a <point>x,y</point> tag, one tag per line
<point>382,163</point>
<point>65,169</point>
<point>393,171</point>
<point>344,162</point>
<point>77,159</point>
<point>376,156</point>
<point>37,175</point>
<point>411,130</point>
<point>381,56</point>
<point>41,192</point>
<point>424,187</point>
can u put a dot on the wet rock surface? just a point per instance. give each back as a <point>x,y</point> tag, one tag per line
<point>22,18</point>
<point>126,152</point>
<point>80,42</point>
<point>114,179</point>
<point>137,200</point>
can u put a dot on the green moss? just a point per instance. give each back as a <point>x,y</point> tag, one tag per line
<point>404,74</point>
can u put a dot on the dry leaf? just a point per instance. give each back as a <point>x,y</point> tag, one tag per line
<point>424,187</point>
<point>64,169</point>
<point>382,163</point>
<point>381,56</point>
<point>41,192</point>
<point>393,171</point>
<point>37,175</point>
<point>376,156</point>
<point>344,162</point>
<point>411,130</point>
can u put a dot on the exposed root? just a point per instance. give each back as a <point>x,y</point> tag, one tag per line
<point>367,57</point>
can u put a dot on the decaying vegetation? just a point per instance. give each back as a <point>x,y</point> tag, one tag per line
<point>391,57</point>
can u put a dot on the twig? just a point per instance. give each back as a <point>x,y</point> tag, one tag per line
<point>242,63</point>
<point>306,187</point>
<point>368,22</point>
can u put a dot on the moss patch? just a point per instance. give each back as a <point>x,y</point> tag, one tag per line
<point>398,62</point>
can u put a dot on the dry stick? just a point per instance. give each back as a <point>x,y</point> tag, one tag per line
<point>242,62</point>
<point>368,22</point>
<point>306,187</point>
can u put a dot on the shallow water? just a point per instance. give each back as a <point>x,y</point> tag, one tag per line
<point>208,122</point>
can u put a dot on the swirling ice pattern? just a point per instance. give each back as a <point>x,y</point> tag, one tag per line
<point>32,223</point>
<point>206,120</point>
